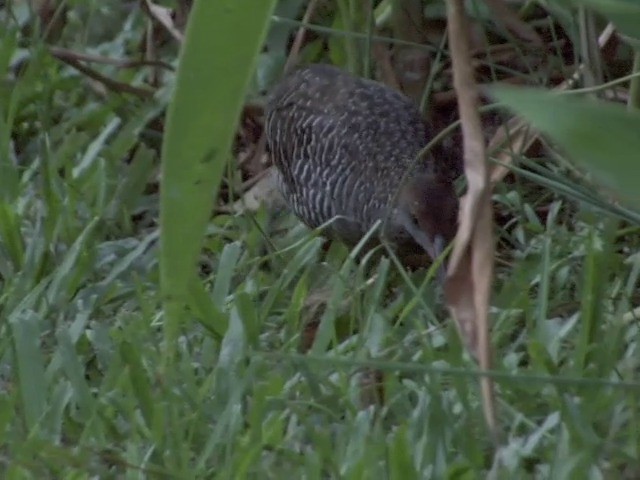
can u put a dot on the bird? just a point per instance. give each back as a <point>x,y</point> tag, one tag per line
<point>347,155</point>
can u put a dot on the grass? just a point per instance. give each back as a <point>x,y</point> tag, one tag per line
<point>87,391</point>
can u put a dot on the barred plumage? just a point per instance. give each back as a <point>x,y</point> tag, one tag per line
<point>347,147</point>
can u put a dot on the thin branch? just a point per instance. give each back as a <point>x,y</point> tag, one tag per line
<point>66,54</point>
<point>111,84</point>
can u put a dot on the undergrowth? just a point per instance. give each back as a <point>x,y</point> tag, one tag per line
<point>82,391</point>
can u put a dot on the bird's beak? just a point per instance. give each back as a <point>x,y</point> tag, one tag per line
<point>439,245</point>
<point>435,248</point>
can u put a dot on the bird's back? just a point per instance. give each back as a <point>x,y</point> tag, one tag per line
<point>342,146</point>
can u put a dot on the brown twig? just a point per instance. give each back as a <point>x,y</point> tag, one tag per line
<point>512,22</point>
<point>110,83</point>
<point>66,54</point>
<point>297,41</point>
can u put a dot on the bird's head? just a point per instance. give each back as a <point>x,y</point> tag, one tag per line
<point>429,212</point>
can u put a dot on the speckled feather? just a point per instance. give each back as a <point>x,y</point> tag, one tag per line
<point>343,146</point>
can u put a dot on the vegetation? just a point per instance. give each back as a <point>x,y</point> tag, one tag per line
<point>278,367</point>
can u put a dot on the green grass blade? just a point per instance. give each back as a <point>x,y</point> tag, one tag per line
<point>25,331</point>
<point>75,372</point>
<point>228,259</point>
<point>65,279</point>
<point>139,381</point>
<point>9,177</point>
<point>222,43</point>
<point>210,315</point>
<point>10,235</point>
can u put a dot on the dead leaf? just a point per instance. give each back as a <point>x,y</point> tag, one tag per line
<point>470,270</point>
<point>163,16</point>
<point>511,139</point>
<point>263,192</point>
<point>511,21</point>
